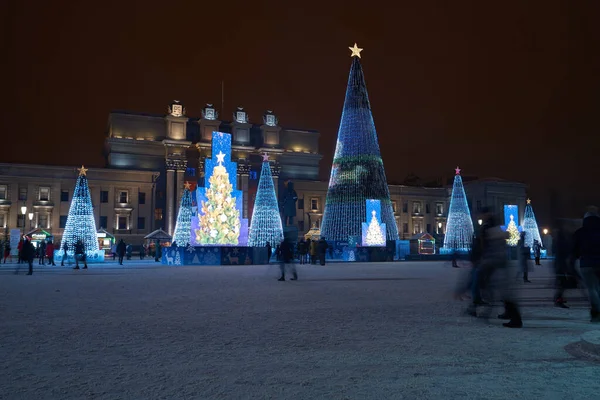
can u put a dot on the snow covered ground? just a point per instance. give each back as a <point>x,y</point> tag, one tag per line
<point>344,331</point>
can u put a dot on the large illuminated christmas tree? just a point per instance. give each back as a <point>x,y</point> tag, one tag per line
<point>459,228</point>
<point>266,220</point>
<point>183,227</point>
<point>357,173</point>
<point>513,233</point>
<point>218,221</point>
<point>530,226</point>
<point>81,224</point>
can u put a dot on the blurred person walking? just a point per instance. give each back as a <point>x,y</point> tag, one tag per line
<point>287,257</point>
<point>564,266</point>
<point>50,253</point>
<point>587,250</point>
<point>121,248</point>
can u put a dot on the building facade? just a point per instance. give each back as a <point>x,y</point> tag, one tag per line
<point>150,157</point>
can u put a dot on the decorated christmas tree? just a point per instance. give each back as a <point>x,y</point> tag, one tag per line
<point>266,220</point>
<point>374,235</point>
<point>357,173</point>
<point>81,224</point>
<point>220,219</point>
<point>183,227</point>
<point>513,233</point>
<point>459,228</point>
<point>530,226</point>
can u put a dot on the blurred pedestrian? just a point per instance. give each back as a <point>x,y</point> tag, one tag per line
<point>269,251</point>
<point>80,254</point>
<point>28,252</point>
<point>313,251</point>
<point>65,255</point>
<point>121,247</point>
<point>322,248</point>
<point>302,250</point>
<point>42,252</point>
<point>50,253</point>
<point>7,250</point>
<point>287,257</point>
<point>524,256</point>
<point>564,266</point>
<point>587,250</point>
<point>537,251</point>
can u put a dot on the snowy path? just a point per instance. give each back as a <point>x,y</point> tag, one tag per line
<point>344,331</point>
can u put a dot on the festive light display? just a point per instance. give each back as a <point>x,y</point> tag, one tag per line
<point>513,232</point>
<point>357,173</point>
<point>373,232</point>
<point>81,224</point>
<point>530,226</point>
<point>183,227</point>
<point>459,228</point>
<point>218,221</point>
<point>266,220</point>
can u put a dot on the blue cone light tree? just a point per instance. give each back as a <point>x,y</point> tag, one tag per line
<point>357,173</point>
<point>266,220</point>
<point>459,228</point>
<point>183,228</point>
<point>530,226</point>
<point>81,224</point>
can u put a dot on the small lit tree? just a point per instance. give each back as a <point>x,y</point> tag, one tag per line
<point>266,220</point>
<point>513,232</point>
<point>183,227</point>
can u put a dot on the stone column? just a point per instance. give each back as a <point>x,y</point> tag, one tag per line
<point>169,195</point>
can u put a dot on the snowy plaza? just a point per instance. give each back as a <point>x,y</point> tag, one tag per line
<point>343,331</point>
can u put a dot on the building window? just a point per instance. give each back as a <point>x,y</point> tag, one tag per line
<point>22,193</point>
<point>20,221</point>
<point>43,221</point>
<point>141,223</point>
<point>103,221</point>
<point>427,208</point>
<point>478,205</point>
<point>44,193</point>
<point>3,220</point>
<point>439,208</point>
<point>253,175</point>
<point>158,214</point>
<point>104,196</point>
<point>64,195</point>
<point>314,204</point>
<point>417,227</point>
<point>405,208</point>
<point>301,226</point>
<point>393,206</point>
<point>3,192</point>
<point>142,198</point>
<point>190,171</point>
<point>62,222</point>
<point>428,228</point>
<point>123,197</point>
<point>416,208</point>
<point>405,227</point>
<point>122,223</point>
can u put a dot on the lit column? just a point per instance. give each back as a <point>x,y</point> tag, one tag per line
<point>243,171</point>
<point>169,195</point>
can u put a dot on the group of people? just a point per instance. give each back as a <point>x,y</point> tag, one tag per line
<point>490,275</point>
<point>288,251</point>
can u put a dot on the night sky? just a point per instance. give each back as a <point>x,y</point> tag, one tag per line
<point>504,89</point>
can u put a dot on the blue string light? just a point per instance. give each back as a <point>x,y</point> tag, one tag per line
<point>183,227</point>
<point>81,224</point>
<point>459,228</point>
<point>530,226</point>
<point>266,220</point>
<point>357,173</point>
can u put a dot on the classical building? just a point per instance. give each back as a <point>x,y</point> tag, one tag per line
<point>123,201</point>
<point>150,157</point>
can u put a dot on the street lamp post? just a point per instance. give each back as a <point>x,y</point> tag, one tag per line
<point>23,211</point>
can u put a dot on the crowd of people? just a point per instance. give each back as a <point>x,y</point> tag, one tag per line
<point>490,277</point>
<point>305,251</point>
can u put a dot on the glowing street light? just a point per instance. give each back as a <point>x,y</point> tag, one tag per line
<point>545,231</point>
<point>480,222</point>
<point>23,210</point>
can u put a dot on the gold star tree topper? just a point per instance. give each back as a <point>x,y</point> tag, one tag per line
<point>355,51</point>
<point>528,201</point>
<point>82,170</point>
<point>187,185</point>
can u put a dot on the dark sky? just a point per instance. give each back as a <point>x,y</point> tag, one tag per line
<point>505,89</point>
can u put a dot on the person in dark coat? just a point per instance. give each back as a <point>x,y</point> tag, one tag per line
<point>65,256</point>
<point>537,251</point>
<point>269,251</point>
<point>287,257</point>
<point>564,268</point>
<point>322,248</point>
<point>302,250</point>
<point>142,252</point>
<point>524,255</point>
<point>587,250</point>
<point>121,248</point>
<point>80,253</point>
<point>42,254</point>
<point>28,254</point>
